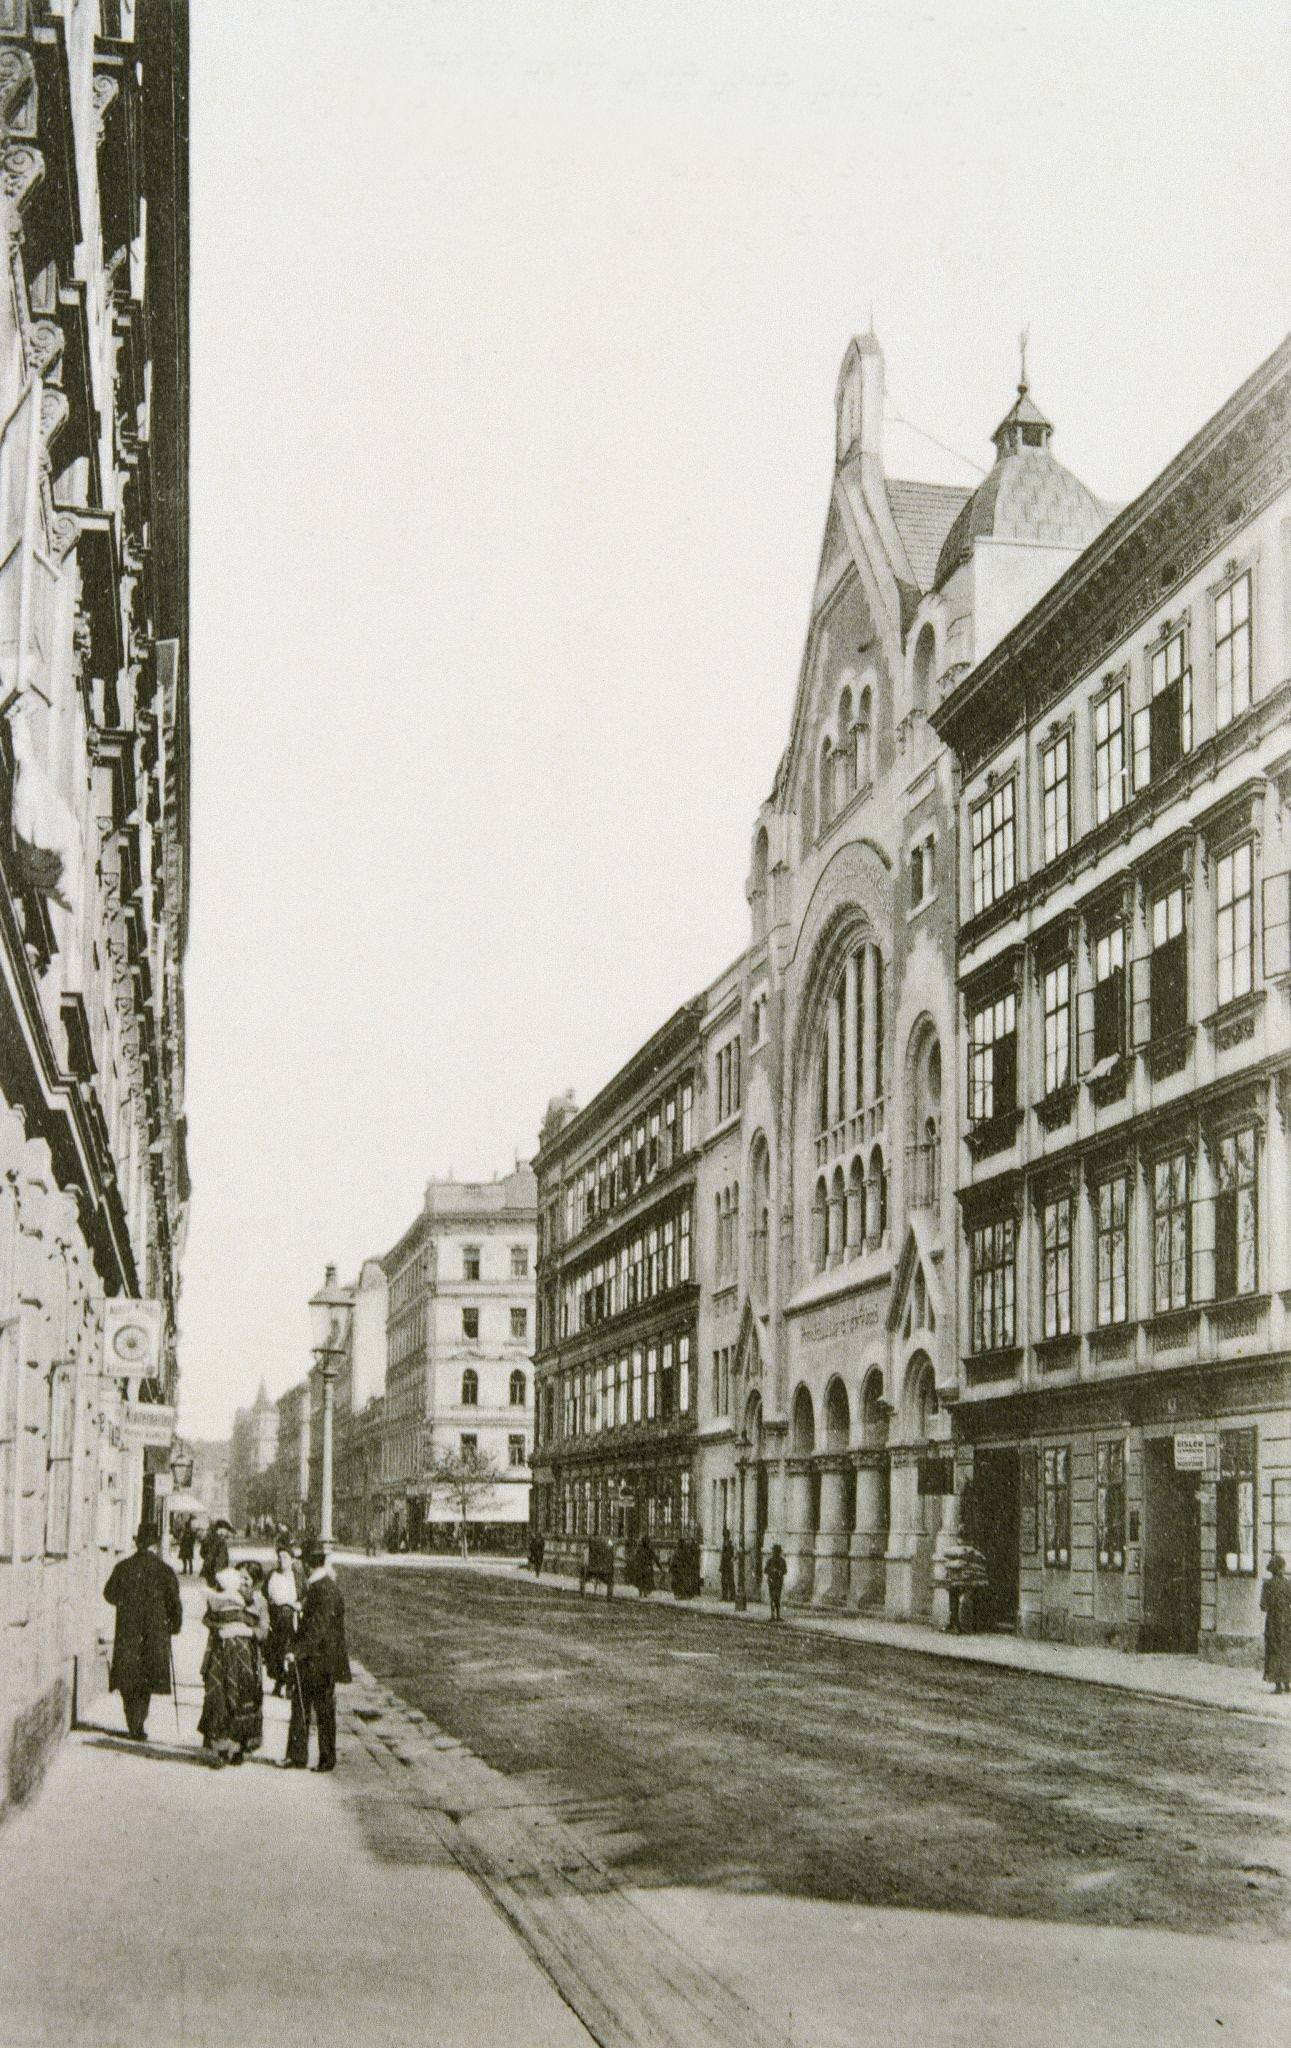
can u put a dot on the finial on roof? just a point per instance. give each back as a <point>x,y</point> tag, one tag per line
<point>1023,339</point>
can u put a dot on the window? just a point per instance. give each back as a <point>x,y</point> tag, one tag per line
<point>916,874</point>
<point>1109,1506</point>
<point>1235,1502</point>
<point>993,1285</point>
<point>683,1251</point>
<point>638,1369</point>
<point>683,1375</point>
<point>516,1388</point>
<point>728,1080</point>
<point>468,1444</point>
<point>1057,1267</point>
<point>519,1322</point>
<point>470,1262</point>
<point>1057,1506</point>
<point>515,1450</point>
<point>470,1323</point>
<point>993,1071</point>
<point>1055,776</point>
<point>1234,928</point>
<point>1171,1234</point>
<point>1163,729</point>
<point>1113,1228</point>
<point>1057,1026</point>
<point>687,1115</point>
<point>993,849</point>
<point>470,1388</point>
<point>519,1262</point>
<point>1236,1215</point>
<point>1168,983</point>
<point>1233,651</point>
<point>651,1381</point>
<point>1109,754</point>
<point>1109,994</point>
<point>58,1499</point>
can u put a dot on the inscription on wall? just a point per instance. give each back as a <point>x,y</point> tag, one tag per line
<point>825,1324</point>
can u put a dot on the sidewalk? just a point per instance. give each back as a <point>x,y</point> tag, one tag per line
<point>150,1900</point>
<point>1232,1689</point>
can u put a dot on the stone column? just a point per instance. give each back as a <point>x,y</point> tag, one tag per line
<point>832,1538</point>
<point>873,1080</point>
<point>833,1056</point>
<point>800,1538</point>
<point>849,1094</point>
<point>908,1593</point>
<point>869,1540</point>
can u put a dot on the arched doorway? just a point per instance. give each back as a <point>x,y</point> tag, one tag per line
<point>873,1497</point>
<point>804,1496</point>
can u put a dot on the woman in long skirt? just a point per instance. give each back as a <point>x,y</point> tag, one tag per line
<point>1275,1603</point>
<point>233,1708</point>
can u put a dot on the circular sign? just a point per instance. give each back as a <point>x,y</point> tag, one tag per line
<point>130,1343</point>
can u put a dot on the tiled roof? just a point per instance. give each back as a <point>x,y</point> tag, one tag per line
<point>924,514</point>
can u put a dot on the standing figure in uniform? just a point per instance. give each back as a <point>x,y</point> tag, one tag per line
<point>317,1662</point>
<point>145,1593</point>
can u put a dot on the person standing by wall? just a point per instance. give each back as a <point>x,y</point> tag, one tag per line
<point>145,1593</point>
<point>1275,1605</point>
<point>317,1663</point>
<point>776,1570</point>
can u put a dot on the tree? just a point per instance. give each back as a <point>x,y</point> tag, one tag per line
<point>467,1478</point>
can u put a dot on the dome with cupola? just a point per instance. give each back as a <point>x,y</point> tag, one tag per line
<point>1027,497</point>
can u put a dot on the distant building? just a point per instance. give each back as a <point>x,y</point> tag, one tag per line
<point>617,1295</point>
<point>459,1344</point>
<point>291,1465</point>
<point>210,1481</point>
<point>253,1446</point>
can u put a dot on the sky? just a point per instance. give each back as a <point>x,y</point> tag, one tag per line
<point>515,334</point>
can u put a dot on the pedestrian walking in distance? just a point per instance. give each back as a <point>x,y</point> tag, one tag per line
<point>233,1705</point>
<point>145,1593</point>
<point>283,1596</point>
<point>215,1550</point>
<point>775,1569</point>
<point>1275,1605</point>
<point>187,1545</point>
<point>317,1663</point>
<point>728,1566</point>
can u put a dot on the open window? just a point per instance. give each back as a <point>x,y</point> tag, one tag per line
<point>1163,728</point>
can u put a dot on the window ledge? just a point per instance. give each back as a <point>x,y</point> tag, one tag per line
<point>994,1365</point>
<point>1233,1023</point>
<point>1171,1327</point>
<point>1109,1080</point>
<point>1053,1353</point>
<point>1054,1109</point>
<point>994,1133</point>
<point>1166,1056</point>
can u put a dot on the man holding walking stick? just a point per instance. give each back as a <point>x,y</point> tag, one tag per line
<point>145,1593</point>
<point>317,1662</point>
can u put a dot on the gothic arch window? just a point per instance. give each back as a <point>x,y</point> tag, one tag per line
<point>803,1427</point>
<point>838,1417</point>
<point>876,1197</point>
<point>826,783</point>
<point>922,1396</point>
<point>517,1389</point>
<point>470,1388</point>
<point>837,1217</point>
<point>923,669</point>
<point>855,1209</point>
<point>864,763</point>
<point>874,1414</point>
<point>820,1226</point>
<point>846,779</point>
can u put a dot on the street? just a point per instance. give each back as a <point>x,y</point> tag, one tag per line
<point>704,1754</point>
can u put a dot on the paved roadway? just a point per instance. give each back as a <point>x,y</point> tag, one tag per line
<point>706,1755</point>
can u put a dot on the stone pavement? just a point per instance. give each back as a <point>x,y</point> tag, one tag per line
<point>150,1900</point>
<point>1233,1688</point>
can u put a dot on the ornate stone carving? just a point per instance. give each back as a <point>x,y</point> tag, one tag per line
<point>21,170</point>
<point>103,92</point>
<point>45,343</point>
<point>18,102</point>
<point>54,411</point>
<point>65,533</point>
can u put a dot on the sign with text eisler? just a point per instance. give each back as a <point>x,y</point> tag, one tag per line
<point>1190,1453</point>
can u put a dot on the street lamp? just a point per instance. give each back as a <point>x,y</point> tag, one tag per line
<point>181,1465</point>
<point>328,1312</point>
<point>742,1449</point>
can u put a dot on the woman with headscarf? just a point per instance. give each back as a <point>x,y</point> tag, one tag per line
<point>1275,1605</point>
<point>233,1709</point>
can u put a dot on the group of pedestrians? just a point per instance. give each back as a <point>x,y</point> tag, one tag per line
<point>287,1624</point>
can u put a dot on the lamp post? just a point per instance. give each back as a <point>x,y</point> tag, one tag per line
<point>328,1311</point>
<point>741,1589</point>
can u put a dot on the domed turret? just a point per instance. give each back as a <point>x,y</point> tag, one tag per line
<point>1028,495</point>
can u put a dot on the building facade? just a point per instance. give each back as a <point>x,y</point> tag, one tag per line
<point>459,1345</point>
<point>292,1460</point>
<point>253,1446</point>
<point>617,1352</point>
<point>1123,1427</point>
<point>94,845</point>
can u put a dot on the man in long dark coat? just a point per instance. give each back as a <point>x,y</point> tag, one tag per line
<point>145,1593</point>
<point>321,1663</point>
<point>215,1550</point>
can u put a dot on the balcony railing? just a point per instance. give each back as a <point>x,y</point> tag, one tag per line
<point>851,1133</point>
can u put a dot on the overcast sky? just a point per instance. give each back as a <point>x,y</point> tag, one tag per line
<point>515,336</point>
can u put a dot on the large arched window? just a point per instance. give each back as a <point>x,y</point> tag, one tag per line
<point>517,1390</point>
<point>876,1197</point>
<point>855,1209</point>
<point>837,1217</point>
<point>820,1227</point>
<point>470,1388</point>
<point>921,675</point>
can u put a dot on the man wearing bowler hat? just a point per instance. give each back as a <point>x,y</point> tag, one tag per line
<point>145,1593</point>
<point>316,1664</point>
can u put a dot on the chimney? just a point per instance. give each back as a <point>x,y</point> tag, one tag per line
<point>329,1276</point>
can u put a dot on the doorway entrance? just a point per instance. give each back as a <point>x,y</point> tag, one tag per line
<point>761,1496</point>
<point>991,1525</point>
<point>1171,1551</point>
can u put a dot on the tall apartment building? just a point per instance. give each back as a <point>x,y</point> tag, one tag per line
<point>1123,1426</point>
<point>459,1344</point>
<point>617,1295</point>
<point>94,791</point>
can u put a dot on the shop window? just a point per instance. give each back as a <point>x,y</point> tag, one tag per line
<point>1235,1503</point>
<point>1110,1506</point>
<point>1057,1506</point>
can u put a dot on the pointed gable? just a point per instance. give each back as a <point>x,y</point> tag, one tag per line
<point>916,1302</point>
